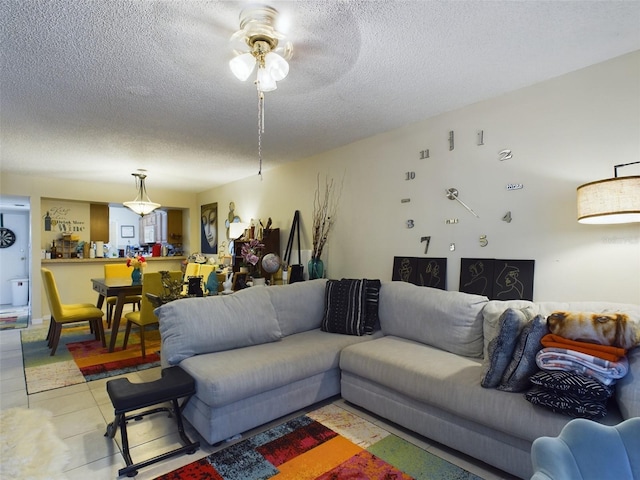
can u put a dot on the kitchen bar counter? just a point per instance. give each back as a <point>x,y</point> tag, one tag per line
<point>71,261</point>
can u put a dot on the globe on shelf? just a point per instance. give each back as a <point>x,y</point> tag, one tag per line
<point>270,263</point>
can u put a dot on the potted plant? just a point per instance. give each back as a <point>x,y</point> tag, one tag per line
<point>251,253</point>
<point>325,206</point>
<point>138,263</point>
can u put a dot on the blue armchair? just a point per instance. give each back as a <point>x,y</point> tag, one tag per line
<point>589,450</point>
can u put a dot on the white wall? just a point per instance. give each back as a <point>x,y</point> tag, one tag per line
<point>563,133</point>
<point>119,216</point>
<point>37,188</point>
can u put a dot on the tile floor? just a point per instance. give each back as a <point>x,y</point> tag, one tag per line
<point>82,412</point>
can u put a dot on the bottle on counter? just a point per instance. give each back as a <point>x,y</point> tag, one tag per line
<point>54,250</point>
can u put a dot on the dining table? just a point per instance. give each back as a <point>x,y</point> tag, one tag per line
<point>115,287</point>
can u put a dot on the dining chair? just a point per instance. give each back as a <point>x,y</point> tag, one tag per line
<point>119,270</point>
<point>151,283</point>
<point>62,314</point>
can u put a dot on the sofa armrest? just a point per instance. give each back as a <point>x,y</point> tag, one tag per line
<point>628,387</point>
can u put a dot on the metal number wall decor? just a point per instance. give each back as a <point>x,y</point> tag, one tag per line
<point>426,247</point>
<point>505,155</point>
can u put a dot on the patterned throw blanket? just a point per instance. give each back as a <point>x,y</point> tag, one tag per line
<point>605,371</point>
<point>607,352</point>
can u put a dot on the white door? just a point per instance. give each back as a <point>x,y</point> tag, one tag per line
<point>14,260</point>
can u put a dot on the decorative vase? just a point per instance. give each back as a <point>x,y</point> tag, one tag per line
<point>136,277</point>
<point>227,284</point>
<point>244,269</point>
<point>316,268</point>
<point>259,282</point>
<point>212,284</point>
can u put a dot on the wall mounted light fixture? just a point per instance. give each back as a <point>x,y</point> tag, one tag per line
<point>142,205</point>
<point>610,201</point>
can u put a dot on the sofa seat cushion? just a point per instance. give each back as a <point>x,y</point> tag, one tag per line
<point>232,375</point>
<point>449,382</point>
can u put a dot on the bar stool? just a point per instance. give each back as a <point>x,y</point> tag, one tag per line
<point>126,397</point>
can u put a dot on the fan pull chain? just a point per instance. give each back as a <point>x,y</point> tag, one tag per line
<point>260,128</point>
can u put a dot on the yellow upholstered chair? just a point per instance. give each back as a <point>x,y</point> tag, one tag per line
<point>118,270</point>
<point>68,313</point>
<point>151,283</point>
<point>191,270</point>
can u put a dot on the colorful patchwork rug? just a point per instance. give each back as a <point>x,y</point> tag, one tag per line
<point>17,317</point>
<point>80,358</point>
<point>327,444</point>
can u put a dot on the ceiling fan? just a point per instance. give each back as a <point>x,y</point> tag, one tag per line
<point>258,31</point>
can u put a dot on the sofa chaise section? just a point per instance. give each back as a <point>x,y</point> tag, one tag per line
<point>438,394</point>
<point>255,356</point>
<point>425,374</point>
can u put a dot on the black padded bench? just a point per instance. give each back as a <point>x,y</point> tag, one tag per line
<point>126,397</point>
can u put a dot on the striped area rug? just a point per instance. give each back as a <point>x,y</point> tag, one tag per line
<point>327,444</point>
<point>80,358</point>
<point>16,317</point>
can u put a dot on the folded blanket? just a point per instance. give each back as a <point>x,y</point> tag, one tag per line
<point>605,371</point>
<point>607,352</point>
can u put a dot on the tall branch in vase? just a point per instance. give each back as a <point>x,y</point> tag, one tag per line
<point>325,207</point>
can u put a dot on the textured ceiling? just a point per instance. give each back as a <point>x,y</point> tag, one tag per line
<point>111,86</point>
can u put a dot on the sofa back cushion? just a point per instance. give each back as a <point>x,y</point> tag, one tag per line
<point>195,326</point>
<point>492,312</point>
<point>299,306</point>
<point>451,321</point>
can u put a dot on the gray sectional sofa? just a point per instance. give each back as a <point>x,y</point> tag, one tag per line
<point>260,354</point>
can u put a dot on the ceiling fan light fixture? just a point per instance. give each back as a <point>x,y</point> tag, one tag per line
<point>277,66</point>
<point>265,82</point>
<point>258,31</point>
<point>242,66</point>
<point>142,204</point>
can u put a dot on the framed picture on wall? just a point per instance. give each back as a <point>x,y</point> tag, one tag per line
<point>405,269</point>
<point>127,231</point>
<point>497,279</point>
<point>476,276</point>
<point>432,272</point>
<point>209,228</point>
<point>240,281</point>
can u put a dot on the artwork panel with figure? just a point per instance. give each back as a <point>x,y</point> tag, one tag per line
<point>432,272</point>
<point>497,279</point>
<point>405,269</point>
<point>209,228</point>
<point>476,276</point>
<point>513,280</point>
